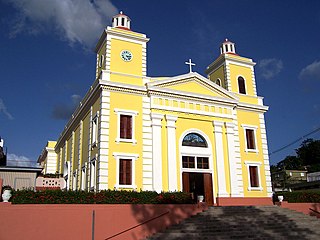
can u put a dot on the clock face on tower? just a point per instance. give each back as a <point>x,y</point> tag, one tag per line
<point>126,55</point>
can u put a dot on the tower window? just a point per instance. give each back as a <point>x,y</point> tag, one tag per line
<point>227,50</point>
<point>218,82</point>
<point>241,85</point>
<point>122,21</point>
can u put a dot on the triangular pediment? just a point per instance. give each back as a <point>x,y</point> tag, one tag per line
<point>192,84</point>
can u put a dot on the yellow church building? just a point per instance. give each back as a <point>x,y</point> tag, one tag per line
<point>203,135</point>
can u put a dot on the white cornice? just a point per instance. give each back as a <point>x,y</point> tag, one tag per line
<point>252,107</point>
<point>157,85</point>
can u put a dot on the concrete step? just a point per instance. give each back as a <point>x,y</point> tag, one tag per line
<point>264,222</point>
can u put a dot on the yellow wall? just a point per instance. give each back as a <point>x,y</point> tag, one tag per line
<point>251,119</point>
<point>125,101</point>
<point>246,73</point>
<point>219,73</point>
<point>133,67</point>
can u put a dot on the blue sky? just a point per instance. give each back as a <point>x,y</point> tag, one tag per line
<point>47,61</point>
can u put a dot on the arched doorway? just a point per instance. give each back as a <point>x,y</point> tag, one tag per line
<point>196,165</point>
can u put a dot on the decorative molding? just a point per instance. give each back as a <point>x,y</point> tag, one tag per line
<point>222,190</point>
<point>156,119</point>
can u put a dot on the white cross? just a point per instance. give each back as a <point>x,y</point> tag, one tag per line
<point>190,64</point>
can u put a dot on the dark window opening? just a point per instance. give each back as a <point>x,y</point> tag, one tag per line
<point>254,177</point>
<point>188,162</point>
<point>194,140</point>
<point>203,162</point>
<point>125,126</point>
<point>125,174</point>
<point>250,139</point>
<point>242,86</point>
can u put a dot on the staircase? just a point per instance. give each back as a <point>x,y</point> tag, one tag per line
<point>245,222</point>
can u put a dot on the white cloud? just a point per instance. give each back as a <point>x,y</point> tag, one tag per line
<point>78,21</point>
<point>270,67</point>
<point>19,161</point>
<point>312,71</point>
<point>3,109</point>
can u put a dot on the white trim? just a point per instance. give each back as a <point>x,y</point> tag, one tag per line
<point>196,152</point>
<point>245,85</point>
<point>131,113</point>
<point>172,152</point>
<point>232,159</point>
<point>74,180</point>
<point>254,164</point>
<point>84,176</point>
<point>254,129</point>
<point>95,130</point>
<point>129,156</point>
<point>93,174</point>
<point>156,119</point>
<point>222,188</point>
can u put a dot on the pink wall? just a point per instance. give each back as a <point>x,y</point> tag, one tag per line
<point>302,207</point>
<point>74,221</point>
<point>244,201</point>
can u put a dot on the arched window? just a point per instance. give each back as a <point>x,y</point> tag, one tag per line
<point>194,140</point>
<point>218,82</point>
<point>242,85</point>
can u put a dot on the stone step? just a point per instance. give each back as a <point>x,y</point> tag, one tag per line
<point>264,222</point>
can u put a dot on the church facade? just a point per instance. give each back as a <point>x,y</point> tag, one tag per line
<point>203,135</point>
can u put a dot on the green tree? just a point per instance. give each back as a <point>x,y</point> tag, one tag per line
<point>309,153</point>
<point>291,163</point>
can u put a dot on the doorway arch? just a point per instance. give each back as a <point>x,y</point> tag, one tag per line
<point>196,161</point>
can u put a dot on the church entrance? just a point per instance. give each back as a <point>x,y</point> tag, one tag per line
<point>198,184</point>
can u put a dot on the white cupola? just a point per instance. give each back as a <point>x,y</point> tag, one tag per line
<point>227,47</point>
<point>121,21</point>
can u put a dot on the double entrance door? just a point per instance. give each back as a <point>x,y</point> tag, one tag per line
<point>198,184</point>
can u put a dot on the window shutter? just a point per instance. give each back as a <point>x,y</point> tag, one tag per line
<point>128,172</point>
<point>125,127</point>
<point>250,139</point>
<point>122,126</point>
<point>254,181</point>
<point>129,127</point>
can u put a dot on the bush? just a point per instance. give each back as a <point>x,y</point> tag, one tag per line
<point>102,197</point>
<point>307,196</point>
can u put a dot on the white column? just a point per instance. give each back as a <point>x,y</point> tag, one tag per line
<point>172,152</point>
<point>222,192</point>
<point>234,190</point>
<point>156,151</point>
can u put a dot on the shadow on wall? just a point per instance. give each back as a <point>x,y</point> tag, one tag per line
<point>154,219</point>
<point>315,210</point>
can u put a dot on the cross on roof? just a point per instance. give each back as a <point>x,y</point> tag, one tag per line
<point>190,64</point>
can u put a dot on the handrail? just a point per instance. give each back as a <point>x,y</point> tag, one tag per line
<point>149,220</point>
<point>314,210</point>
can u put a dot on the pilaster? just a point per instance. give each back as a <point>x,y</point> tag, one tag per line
<point>222,192</point>
<point>172,152</point>
<point>234,189</point>
<point>156,119</point>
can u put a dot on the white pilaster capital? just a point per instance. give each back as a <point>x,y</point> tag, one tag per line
<point>230,127</point>
<point>156,119</point>
<point>217,126</point>
<point>171,121</point>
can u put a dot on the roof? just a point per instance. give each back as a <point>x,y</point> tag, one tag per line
<point>20,169</point>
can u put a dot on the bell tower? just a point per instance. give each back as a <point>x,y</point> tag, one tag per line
<point>122,53</point>
<point>233,72</point>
